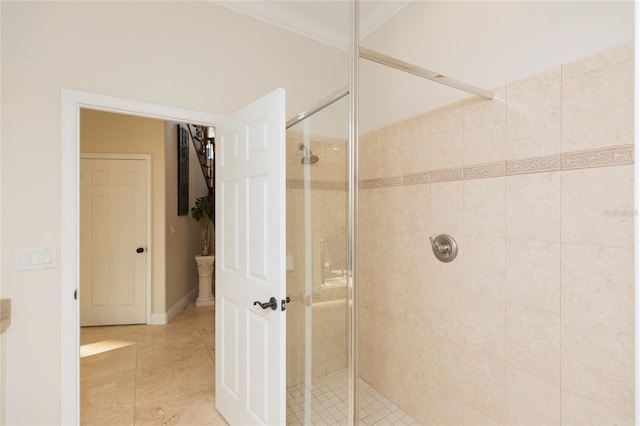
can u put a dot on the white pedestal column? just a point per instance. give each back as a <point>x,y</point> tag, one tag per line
<point>205,280</point>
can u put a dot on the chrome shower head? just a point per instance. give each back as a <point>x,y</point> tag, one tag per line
<point>309,157</point>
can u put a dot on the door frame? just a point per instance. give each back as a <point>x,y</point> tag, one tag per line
<point>71,103</point>
<point>147,163</point>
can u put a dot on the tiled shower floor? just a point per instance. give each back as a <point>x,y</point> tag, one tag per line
<point>329,404</point>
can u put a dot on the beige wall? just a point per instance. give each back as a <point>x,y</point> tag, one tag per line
<point>533,323</point>
<point>184,244</point>
<point>193,55</point>
<point>104,132</point>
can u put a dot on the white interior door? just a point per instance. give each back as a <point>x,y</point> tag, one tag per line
<point>250,264</point>
<point>113,241</point>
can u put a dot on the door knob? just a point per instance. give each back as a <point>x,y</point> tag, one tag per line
<point>272,303</point>
<point>139,250</point>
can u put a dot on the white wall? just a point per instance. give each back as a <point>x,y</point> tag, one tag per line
<point>193,55</point>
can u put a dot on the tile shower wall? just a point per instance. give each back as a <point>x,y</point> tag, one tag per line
<point>328,197</point>
<point>533,322</point>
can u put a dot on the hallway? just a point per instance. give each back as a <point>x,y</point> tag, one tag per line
<point>150,375</point>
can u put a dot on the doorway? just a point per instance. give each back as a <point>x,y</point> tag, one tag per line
<point>72,102</point>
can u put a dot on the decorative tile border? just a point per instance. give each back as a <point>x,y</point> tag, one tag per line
<point>533,165</point>
<point>391,181</point>
<point>416,178</point>
<point>603,157</point>
<point>485,170</point>
<point>370,183</point>
<point>444,175</point>
<point>613,156</point>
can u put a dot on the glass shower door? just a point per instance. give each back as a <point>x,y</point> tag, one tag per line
<point>317,195</point>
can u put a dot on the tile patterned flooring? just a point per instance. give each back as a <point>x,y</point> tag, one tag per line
<point>164,375</point>
<point>329,399</point>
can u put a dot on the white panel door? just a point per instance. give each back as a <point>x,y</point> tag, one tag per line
<point>113,239</point>
<point>250,264</point>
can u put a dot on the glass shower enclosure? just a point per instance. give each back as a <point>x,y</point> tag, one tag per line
<point>317,195</point>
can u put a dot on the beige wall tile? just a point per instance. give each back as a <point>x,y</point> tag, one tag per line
<point>580,411</point>
<point>597,108</point>
<point>369,157</point>
<point>533,207</point>
<point>597,285</point>
<point>533,123</point>
<point>484,132</point>
<point>473,417</point>
<point>482,334</point>
<point>597,363</point>
<point>535,81</point>
<point>533,275</point>
<point>416,148</point>
<point>484,207</point>
<point>484,266</point>
<point>485,385</point>
<point>415,233</point>
<point>615,55</point>
<point>597,206</point>
<point>447,137</point>
<point>443,402</point>
<point>531,401</point>
<point>533,342</point>
<point>444,313</point>
<point>446,214</point>
<point>390,151</point>
<point>484,319</point>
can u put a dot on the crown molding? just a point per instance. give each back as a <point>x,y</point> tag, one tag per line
<point>373,14</point>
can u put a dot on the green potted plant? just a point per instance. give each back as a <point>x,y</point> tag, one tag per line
<point>203,211</point>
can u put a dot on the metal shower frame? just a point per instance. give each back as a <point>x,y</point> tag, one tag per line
<point>355,53</point>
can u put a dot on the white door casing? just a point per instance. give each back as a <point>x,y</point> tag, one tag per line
<point>71,103</point>
<point>114,226</point>
<point>250,263</point>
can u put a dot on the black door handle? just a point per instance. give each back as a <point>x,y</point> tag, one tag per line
<point>272,303</point>
<point>139,250</point>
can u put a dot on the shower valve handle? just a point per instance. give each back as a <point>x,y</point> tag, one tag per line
<point>440,248</point>
<point>444,247</point>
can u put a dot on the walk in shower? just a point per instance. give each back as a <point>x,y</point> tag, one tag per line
<point>531,173</point>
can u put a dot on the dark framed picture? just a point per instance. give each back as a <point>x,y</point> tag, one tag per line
<point>183,171</point>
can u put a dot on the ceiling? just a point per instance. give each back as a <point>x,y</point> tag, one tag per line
<point>483,43</point>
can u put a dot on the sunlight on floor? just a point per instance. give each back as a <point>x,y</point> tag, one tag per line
<point>101,347</point>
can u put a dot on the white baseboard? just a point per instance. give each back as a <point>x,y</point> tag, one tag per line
<point>177,307</point>
<point>165,317</point>
<point>158,319</point>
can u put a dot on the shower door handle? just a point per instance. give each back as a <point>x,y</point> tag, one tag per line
<point>284,303</point>
<point>272,303</point>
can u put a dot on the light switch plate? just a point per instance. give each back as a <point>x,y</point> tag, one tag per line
<point>28,259</point>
